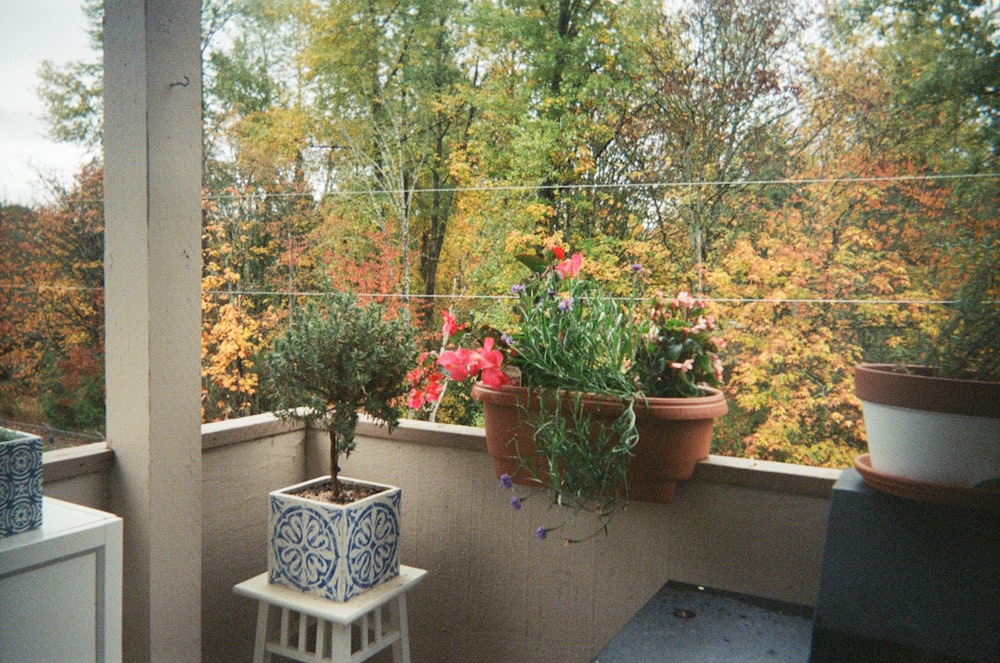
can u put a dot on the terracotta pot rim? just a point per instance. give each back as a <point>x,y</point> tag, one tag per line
<point>712,404</point>
<point>917,388</point>
<point>925,491</point>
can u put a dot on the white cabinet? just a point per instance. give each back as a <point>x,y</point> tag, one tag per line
<point>61,588</point>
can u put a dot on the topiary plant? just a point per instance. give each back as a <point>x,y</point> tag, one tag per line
<point>337,358</point>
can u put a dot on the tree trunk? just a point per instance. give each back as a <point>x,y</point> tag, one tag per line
<point>334,458</point>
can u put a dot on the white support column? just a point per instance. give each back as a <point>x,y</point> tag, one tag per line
<point>152,186</point>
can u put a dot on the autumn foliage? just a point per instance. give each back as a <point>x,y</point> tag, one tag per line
<point>825,195</point>
<point>52,308</point>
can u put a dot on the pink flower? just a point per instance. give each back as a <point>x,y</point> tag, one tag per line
<point>684,366</point>
<point>683,300</point>
<point>457,363</point>
<point>484,362</point>
<point>571,267</point>
<point>490,361</point>
<point>416,375</point>
<point>717,368</point>
<point>415,400</point>
<point>494,378</point>
<point>490,358</point>
<point>700,326</point>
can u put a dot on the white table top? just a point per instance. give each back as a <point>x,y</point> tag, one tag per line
<point>59,519</point>
<point>341,612</point>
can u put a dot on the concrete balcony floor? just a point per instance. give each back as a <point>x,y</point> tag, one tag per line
<point>684,623</point>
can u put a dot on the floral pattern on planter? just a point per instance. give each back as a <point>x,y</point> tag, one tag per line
<point>304,544</point>
<point>330,550</point>
<point>372,551</point>
<point>20,485</point>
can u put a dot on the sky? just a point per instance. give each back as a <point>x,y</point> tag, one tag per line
<point>32,31</point>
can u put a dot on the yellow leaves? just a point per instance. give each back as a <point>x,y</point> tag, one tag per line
<point>231,340</point>
<point>540,214</point>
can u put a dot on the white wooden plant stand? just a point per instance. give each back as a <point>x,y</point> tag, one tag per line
<point>315,630</point>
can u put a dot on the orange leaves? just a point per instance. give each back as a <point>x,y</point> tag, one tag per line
<point>231,342</point>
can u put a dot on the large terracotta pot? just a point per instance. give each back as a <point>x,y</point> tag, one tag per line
<point>931,429</point>
<point>674,434</point>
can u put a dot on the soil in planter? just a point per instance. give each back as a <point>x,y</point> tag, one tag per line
<point>349,492</point>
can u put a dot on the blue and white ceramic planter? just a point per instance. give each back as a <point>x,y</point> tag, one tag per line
<point>330,550</point>
<point>20,484</point>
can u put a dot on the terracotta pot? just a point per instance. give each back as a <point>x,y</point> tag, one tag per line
<point>674,434</point>
<point>928,428</point>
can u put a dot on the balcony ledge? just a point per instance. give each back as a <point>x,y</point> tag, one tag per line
<point>70,462</point>
<point>740,472</point>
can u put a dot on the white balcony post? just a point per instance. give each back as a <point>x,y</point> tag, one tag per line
<point>152,136</point>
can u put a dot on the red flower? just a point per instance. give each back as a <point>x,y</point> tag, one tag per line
<point>416,399</point>
<point>450,327</point>
<point>434,388</point>
<point>558,252</point>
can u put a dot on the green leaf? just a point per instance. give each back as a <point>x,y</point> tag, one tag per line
<point>534,262</point>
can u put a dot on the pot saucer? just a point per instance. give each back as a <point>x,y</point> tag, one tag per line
<point>925,491</point>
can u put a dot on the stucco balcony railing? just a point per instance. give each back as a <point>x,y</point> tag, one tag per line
<point>744,526</point>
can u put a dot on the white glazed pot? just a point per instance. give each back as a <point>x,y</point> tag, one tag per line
<point>330,550</point>
<point>20,484</point>
<point>930,429</point>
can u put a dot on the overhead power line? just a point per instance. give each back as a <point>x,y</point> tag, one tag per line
<point>397,295</point>
<point>513,188</point>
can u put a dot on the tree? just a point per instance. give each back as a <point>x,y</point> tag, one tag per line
<point>388,83</point>
<point>722,96</point>
<point>560,82</point>
<point>72,93</point>
<point>942,61</point>
<point>53,306</point>
<point>18,304</point>
<point>865,225</point>
<point>337,359</point>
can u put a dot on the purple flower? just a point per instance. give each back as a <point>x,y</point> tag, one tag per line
<point>566,304</point>
<point>515,503</point>
<point>552,293</point>
<point>637,268</point>
<point>517,289</point>
<point>506,481</point>
<point>507,340</point>
<point>541,533</point>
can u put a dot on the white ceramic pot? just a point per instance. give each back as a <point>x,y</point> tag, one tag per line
<point>20,484</point>
<point>330,550</point>
<point>930,429</point>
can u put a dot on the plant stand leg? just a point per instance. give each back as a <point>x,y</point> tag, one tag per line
<point>260,653</point>
<point>401,648</point>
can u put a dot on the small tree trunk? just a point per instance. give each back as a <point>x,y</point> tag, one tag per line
<point>334,469</point>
